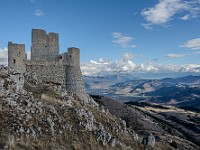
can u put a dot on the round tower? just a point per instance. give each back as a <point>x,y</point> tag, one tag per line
<point>73,56</point>
<point>73,80</point>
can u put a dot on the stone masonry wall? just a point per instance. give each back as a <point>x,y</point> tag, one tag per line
<point>48,64</point>
<point>73,56</point>
<point>73,79</point>
<point>44,47</point>
<point>53,46</point>
<point>74,82</point>
<point>39,50</point>
<point>17,57</point>
<point>49,72</point>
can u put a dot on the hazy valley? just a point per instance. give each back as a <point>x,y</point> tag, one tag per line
<point>183,92</point>
<point>172,105</point>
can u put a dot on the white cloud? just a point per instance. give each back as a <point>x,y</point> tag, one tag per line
<point>39,13</point>
<point>122,40</point>
<point>186,17</point>
<point>165,10</point>
<point>147,26</point>
<point>190,68</point>
<point>3,56</point>
<point>193,44</point>
<point>127,65</point>
<point>176,55</point>
<point>33,1</point>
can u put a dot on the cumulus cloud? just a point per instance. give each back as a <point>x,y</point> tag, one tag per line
<point>39,13</point>
<point>122,40</point>
<point>127,65</point>
<point>4,56</point>
<point>190,68</point>
<point>176,55</point>
<point>193,44</point>
<point>165,10</point>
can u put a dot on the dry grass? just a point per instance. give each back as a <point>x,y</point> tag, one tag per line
<point>79,140</point>
<point>76,138</point>
<point>52,99</point>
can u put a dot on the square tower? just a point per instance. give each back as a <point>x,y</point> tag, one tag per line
<point>17,57</point>
<point>45,47</point>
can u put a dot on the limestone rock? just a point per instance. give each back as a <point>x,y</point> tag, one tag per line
<point>113,143</point>
<point>87,119</point>
<point>135,136</point>
<point>103,136</point>
<point>149,139</point>
<point>37,110</point>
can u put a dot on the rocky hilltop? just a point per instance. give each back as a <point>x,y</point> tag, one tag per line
<point>39,115</point>
<point>45,116</point>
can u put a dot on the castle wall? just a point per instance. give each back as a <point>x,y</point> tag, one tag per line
<point>48,64</point>
<point>49,72</point>
<point>17,57</point>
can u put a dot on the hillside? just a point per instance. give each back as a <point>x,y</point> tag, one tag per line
<point>183,92</point>
<point>170,126</point>
<point>38,115</point>
<point>44,116</point>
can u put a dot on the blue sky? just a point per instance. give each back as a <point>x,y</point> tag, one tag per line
<point>113,35</point>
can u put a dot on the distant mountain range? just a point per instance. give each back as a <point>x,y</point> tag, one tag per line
<point>182,92</point>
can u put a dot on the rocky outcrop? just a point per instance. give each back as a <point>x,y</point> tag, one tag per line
<point>32,110</point>
<point>149,139</point>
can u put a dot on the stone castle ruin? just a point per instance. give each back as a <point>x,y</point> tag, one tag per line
<point>47,63</point>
